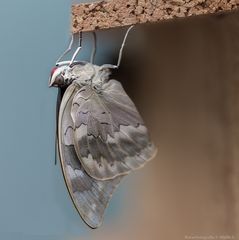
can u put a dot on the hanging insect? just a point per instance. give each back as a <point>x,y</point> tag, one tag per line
<point>100,135</point>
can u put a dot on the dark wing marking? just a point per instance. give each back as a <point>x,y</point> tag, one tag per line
<point>110,136</point>
<point>89,196</point>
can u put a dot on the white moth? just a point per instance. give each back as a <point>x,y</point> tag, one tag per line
<point>101,137</point>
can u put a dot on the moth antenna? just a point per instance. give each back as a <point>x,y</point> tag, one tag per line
<point>67,50</point>
<point>58,102</point>
<point>78,48</point>
<point>122,46</point>
<point>56,148</point>
<point>94,49</point>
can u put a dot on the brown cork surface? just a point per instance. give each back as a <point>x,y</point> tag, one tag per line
<point>117,13</point>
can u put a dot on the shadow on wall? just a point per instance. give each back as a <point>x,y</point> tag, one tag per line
<point>183,76</point>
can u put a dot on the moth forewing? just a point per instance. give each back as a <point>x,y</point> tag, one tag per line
<point>110,137</point>
<point>89,196</point>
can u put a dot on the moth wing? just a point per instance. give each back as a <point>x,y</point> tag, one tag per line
<point>110,136</point>
<point>89,196</point>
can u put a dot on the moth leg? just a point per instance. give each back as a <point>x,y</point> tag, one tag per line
<point>111,66</point>
<point>122,46</point>
<point>67,50</point>
<point>93,53</point>
<point>108,66</point>
<point>78,48</point>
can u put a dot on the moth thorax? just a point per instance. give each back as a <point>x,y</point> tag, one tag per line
<point>105,74</point>
<point>101,77</point>
<point>82,74</point>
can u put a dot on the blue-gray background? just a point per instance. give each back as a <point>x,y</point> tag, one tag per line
<point>34,203</point>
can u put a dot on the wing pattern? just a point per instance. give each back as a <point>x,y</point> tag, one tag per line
<point>110,137</point>
<point>89,195</point>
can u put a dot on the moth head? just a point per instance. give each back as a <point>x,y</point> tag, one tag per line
<point>58,77</point>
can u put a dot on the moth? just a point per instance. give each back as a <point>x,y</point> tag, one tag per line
<point>101,136</point>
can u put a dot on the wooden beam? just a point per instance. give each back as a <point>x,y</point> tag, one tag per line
<point>119,13</point>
